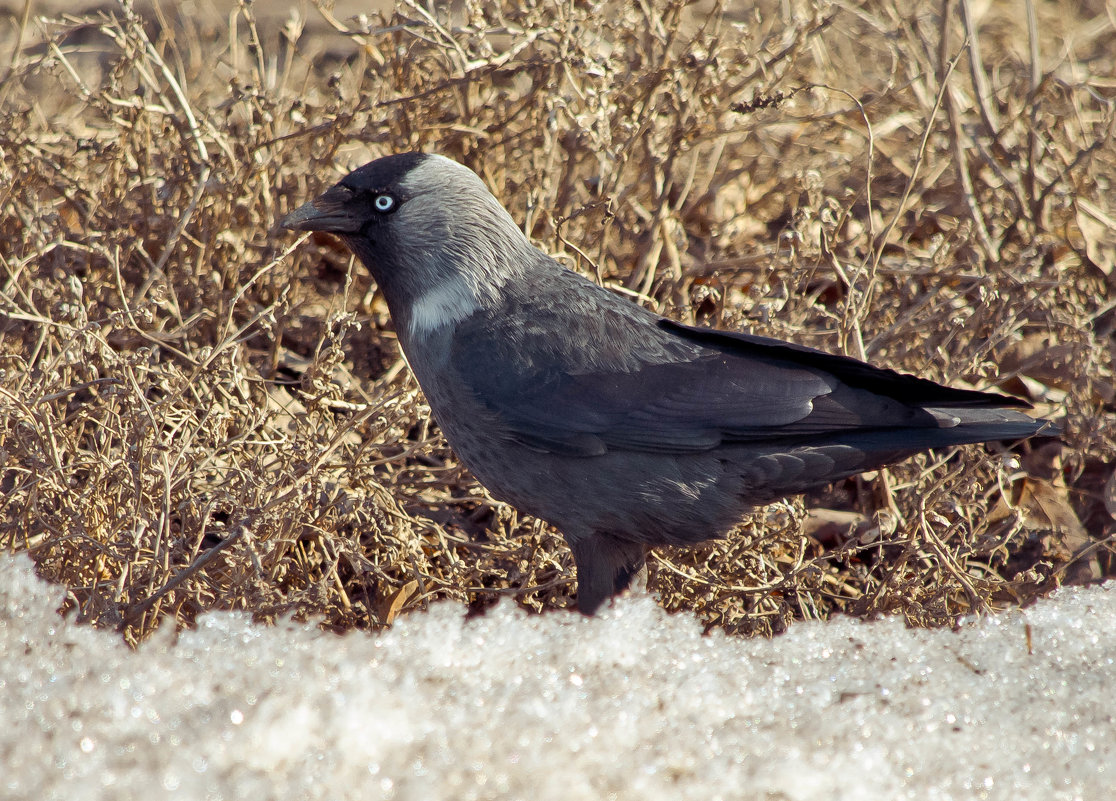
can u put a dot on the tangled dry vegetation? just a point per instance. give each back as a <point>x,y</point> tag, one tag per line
<point>199,412</point>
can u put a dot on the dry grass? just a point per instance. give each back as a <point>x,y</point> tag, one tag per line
<point>199,412</point>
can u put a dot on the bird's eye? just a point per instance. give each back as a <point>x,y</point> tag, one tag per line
<point>383,203</point>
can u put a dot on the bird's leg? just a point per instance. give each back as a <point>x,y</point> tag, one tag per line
<point>606,566</point>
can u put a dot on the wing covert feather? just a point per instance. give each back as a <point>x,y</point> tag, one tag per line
<point>678,398</point>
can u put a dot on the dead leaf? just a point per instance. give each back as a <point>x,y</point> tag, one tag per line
<point>830,526</point>
<point>1098,230</point>
<point>393,604</point>
<point>1046,510</point>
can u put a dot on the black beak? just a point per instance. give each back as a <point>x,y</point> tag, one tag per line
<point>331,211</point>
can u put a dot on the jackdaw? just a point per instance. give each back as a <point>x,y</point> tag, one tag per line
<point>624,429</point>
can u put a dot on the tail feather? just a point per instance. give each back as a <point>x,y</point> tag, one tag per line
<point>777,472</point>
<point>962,426</point>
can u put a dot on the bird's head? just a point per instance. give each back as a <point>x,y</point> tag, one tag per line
<point>438,243</point>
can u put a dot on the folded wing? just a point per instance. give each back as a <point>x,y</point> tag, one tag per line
<point>701,389</point>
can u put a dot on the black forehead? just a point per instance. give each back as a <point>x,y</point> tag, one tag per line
<point>383,173</point>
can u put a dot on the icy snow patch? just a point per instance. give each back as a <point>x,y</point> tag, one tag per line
<point>634,704</point>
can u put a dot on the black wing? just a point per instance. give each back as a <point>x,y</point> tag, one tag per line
<point>662,387</point>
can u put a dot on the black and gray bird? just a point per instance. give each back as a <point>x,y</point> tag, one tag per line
<point>623,429</point>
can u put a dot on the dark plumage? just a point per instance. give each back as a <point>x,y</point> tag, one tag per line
<point>622,428</point>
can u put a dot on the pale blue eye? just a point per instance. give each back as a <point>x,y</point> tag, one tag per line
<point>384,202</point>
